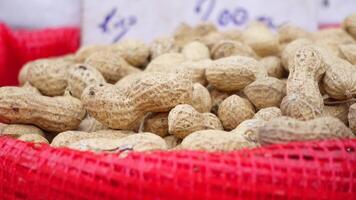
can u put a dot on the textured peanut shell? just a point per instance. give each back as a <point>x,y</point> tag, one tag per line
<point>196,51</point>
<point>185,34</point>
<point>35,138</point>
<point>349,25</point>
<point>184,120</point>
<point>22,77</point>
<point>135,52</point>
<point>234,110</point>
<point>273,66</point>
<point>53,114</point>
<point>226,48</point>
<point>69,137</point>
<point>196,70</point>
<point>90,124</point>
<point>288,33</point>
<point>161,46</point>
<point>290,50</point>
<point>268,114</point>
<point>156,123</point>
<point>247,129</point>
<point>260,39</point>
<point>201,99</point>
<point>17,130</point>
<point>216,98</point>
<point>304,100</point>
<point>215,37</point>
<point>348,51</point>
<point>84,52</point>
<point>143,142</point>
<point>234,73</point>
<point>172,141</point>
<point>124,107</point>
<point>215,140</point>
<point>338,111</point>
<point>165,62</point>
<point>286,129</point>
<point>82,76</point>
<point>352,117</point>
<point>111,65</point>
<point>266,92</point>
<point>49,76</point>
<point>2,126</point>
<point>339,80</point>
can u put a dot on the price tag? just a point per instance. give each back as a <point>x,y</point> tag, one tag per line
<point>112,20</point>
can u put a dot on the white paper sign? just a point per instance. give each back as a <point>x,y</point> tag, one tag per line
<point>108,21</point>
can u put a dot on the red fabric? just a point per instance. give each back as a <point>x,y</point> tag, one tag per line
<point>309,170</point>
<point>20,46</point>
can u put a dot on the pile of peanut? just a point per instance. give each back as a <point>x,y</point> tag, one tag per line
<point>200,89</point>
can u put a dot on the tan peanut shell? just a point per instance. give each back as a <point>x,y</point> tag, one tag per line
<point>226,48</point>
<point>247,129</point>
<point>266,92</point>
<point>348,51</point>
<point>339,80</point>
<point>185,34</point>
<point>234,73</point>
<point>22,77</point>
<point>184,120</point>
<point>352,117</point>
<point>53,114</point>
<point>17,130</point>
<point>215,140</point>
<point>96,145</point>
<point>268,114</point>
<point>234,110</point>
<point>273,66</point>
<point>111,65</point>
<point>156,123</point>
<point>338,111</point>
<point>216,98</point>
<point>196,51</point>
<point>304,100</point>
<point>81,76</point>
<point>90,124</point>
<point>163,45</point>
<point>135,52</point>
<point>84,52</point>
<point>261,39</point>
<point>172,141</point>
<point>49,76</point>
<point>288,33</point>
<point>2,126</point>
<point>68,137</point>
<point>166,62</point>
<point>196,70</point>
<point>215,37</point>
<point>349,25</point>
<point>289,51</point>
<point>286,129</point>
<point>124,107</point>
<point>35,138</point>
<point>201,99</point>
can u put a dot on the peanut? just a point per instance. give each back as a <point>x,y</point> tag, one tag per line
<point>90,124</point>
<point>286,129</point>
<point>124,107</point>
<point>2,126</point>
<point>165,62</point>
<point>84,52</point>
<point>163,45</point>
<point>290,50</point>
<point>338,111</point>
<point>234,73</point>
<point>172,141</point>
<point>201,99</point>
<point>261,39</point>
<point>111,65</point>
<point>339,80</point>
<point>196,51</point>
<point>348,51</point>
<point>157,123</point>
<point>215,140</point>
<point>135,52</point>
<point>54,114</point>
<point>196,70</point>
<point>81,76</point>
<point>49,76</point>
<point>17,130</point>
<point>216,98</point>
<point>288,33</point>
<point>184,120</point>
<point>304,100</point>
<point>226,48</point>
<point>22,77</point>
<point>268,114</point>
<point>68,137</point>
<point>266,92</point>
<point>349,25</point>
<point>234,110</point>
<point>273,66</point>
<point>185,34</point>
<point>215,37</point>
<point>352,117</point>
<point>35,138</point>
<point>247,129</point>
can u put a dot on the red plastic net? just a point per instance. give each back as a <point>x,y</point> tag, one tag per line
<point>309,170</point>
<point>20,46</point>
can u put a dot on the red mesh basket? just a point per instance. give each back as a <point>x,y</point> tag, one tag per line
<point>309,170</point>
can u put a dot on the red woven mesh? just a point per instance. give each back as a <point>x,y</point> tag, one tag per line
<point>310,170</point>
<point>20,46</point>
